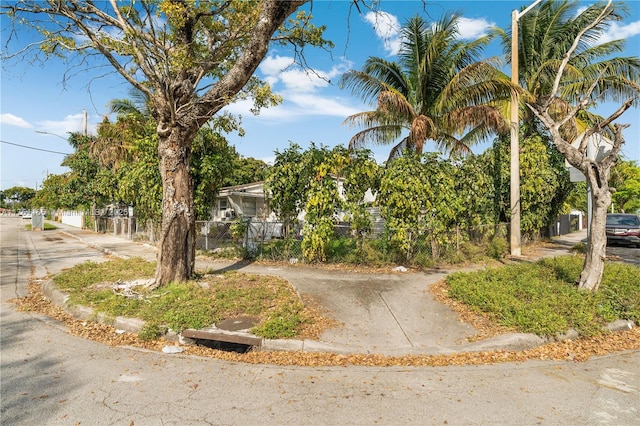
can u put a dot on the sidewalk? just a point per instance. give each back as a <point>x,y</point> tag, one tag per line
<point>384,313</point>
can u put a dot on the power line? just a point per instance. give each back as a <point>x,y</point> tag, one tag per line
<point>37,149</point>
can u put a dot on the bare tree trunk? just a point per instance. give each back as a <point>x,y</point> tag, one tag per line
<point>597,246</point>
<point>176,251</point>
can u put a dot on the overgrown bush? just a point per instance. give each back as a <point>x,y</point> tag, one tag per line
<point>238,229</point>
<point>497,247</point>
<point>281,250</point>
<point>340,250</point>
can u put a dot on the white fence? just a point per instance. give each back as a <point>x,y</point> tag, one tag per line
<point>72,218</point>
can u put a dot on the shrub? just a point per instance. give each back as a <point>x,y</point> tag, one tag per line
<point>542,298</point>
<point>340,249</point>
<point>497,247</point>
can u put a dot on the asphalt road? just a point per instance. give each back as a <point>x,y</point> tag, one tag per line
<point>49,377</point>
<point>624,254</point>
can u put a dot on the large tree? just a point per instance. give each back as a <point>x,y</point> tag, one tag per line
<point>437,90</point>
<point>128,146</point>
<point>17,196</point>
<point>190,58</point>
<point>574,83</point>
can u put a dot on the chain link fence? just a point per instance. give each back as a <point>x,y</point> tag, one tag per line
<point>126,227</point>
<point>271,241</point>
<point>275,241</point>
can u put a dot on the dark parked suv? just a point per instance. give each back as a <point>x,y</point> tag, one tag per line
<point>623,229</point>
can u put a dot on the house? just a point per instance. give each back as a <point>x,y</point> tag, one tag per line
<point>247,200</point>
<point>251,201</point>
<point>598,147</point>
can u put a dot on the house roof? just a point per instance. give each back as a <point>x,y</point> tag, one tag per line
<point>254,189</point>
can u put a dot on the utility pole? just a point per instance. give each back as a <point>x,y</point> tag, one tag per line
<point>94,204</point>
<point>514,128</point>
<point>85,124</point>
<point>515,233</point>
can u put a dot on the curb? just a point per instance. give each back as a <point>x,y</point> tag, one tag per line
<point>134,325</point>
<point>504,342</point>
<point>59,298</point>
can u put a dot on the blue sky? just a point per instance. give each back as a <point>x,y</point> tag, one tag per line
<point>34,99</point>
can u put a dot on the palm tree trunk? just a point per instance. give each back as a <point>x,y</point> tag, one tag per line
<point>176,254</point>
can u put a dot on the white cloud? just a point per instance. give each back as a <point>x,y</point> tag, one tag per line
<point>309,103</point>
<point>71,123</point>
<point>472,29</point>
<point>298,105</point>
<point>306,92</point>
<point>282,69</point>
<point>303,81</point>
<point>620,32</point>
<point>615,31</point>
<point>273,66</point>
<point>12,120</point>
<point>387,28</point>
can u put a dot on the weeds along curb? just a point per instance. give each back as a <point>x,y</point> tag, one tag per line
<point>134,325</point>
<point>509,341</point>
<point>59,298</point>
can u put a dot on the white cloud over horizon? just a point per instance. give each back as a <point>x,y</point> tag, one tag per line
<point>620,32</point>
<point>306,92</point>
<point>616,31</point>
<point>388,29</point>
<point>283,69</point>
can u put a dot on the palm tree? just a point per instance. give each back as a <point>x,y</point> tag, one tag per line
<point>114,144</point>
<point>546,34</point>
<point>438,90</point>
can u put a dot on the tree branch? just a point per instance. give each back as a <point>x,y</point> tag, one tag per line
<point>567,57</point>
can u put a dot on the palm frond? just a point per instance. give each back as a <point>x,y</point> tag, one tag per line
<point>422,128</point>
<point>395,104</point>
<point>375,135</point>
<point>485,117</point>
<point>376,75</point>
<point>455,147</point>
<point>398,149</point>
